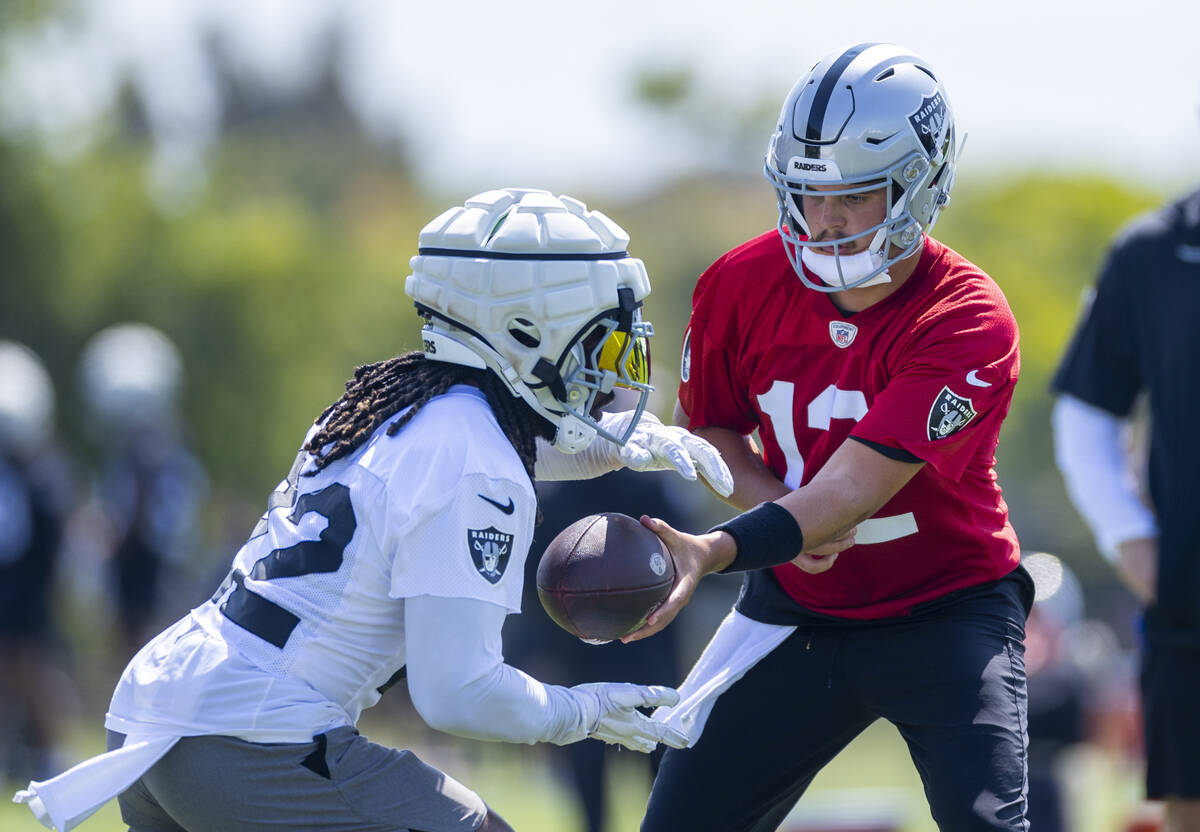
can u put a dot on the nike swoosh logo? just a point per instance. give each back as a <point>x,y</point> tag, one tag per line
<point>1188,254</point>
<point>974,380</point>
<point>507,509</point>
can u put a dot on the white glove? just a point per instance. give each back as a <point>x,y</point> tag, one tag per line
<point>652,447</point>
<point>610,714</point>
<point>658,447</point>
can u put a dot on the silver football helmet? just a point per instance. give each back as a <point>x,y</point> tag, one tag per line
<point>131,375</point>
<point>872,116</point>
<point>542,292</point>
<point>26,399</point>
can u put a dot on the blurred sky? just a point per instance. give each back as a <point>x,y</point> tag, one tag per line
<point>538,92</point>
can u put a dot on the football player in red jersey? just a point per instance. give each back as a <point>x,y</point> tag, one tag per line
<point>882,576</point>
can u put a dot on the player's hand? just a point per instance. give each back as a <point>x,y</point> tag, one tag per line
<point>658,447</point>
<point>694,558</point>
<point>616,719</point>
<point>821,558</point>
<point>1137,563</point>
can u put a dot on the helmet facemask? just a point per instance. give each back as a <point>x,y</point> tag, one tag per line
<point>897,236</point>
<point>612,354</point>
<point>613,350</point>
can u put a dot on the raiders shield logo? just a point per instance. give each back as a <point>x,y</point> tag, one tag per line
<point>929,123</point>
<point>685,363</point>
<point>950,413</point>
<point>489,549</point>
<point>842,333</point>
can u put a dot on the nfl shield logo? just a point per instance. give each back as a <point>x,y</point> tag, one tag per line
<point>489,550</point>
<point>842,333</point>
<point>949,414</point>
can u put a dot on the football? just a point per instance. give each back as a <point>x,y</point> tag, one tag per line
<point>603,575</point>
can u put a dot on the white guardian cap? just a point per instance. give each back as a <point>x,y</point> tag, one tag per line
<point>872,116</point>
<point>542,292</point>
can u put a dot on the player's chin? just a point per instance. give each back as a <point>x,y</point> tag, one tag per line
<point>603,400</point>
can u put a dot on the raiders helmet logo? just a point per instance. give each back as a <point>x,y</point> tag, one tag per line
<point>949,414</point>
<point>930,124</point>
<point>489,550</point>
<point>842,333</point>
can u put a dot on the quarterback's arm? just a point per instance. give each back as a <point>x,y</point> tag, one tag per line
<point>459,684</point>
<point>853,485</point>
<point>753,481</point>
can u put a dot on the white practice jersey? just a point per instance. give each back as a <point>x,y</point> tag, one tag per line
<point>310,624</point>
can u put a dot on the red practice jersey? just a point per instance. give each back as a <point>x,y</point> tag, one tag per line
<point>928,371</point>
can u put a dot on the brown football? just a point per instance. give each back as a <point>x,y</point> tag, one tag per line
<point>603,575</point>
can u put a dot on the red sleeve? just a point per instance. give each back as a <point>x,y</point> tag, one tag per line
<point>712,389</point>
<point>952,386</point>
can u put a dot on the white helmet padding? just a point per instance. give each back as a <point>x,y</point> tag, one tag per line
<point>534,287</point>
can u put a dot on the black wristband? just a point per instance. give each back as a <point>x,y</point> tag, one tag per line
<point>766,535</point>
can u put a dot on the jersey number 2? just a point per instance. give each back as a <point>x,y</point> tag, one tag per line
<point>263,617</point>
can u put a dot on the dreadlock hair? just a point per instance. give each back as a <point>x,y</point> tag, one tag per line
<point>379,391</point>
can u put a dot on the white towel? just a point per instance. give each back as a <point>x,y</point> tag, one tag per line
<point>736,646</point>
<point>65,801</point>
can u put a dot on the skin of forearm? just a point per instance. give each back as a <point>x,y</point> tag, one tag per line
<point>829,507</point>
<point>753,481</point>
<point>852,486</point>
<point>825,509</point>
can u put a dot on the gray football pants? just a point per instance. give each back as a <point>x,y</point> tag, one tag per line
<point>339,781</point>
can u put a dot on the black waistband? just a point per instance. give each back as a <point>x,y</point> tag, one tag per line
<point>763,599</point>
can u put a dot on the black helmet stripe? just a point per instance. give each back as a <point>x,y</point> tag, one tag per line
<point>816,113</point>
<point>522,255</point>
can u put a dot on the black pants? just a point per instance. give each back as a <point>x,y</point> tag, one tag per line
<point>1170,688</point>
<point>953,683</point>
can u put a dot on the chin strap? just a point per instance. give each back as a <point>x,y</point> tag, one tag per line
<point>840,270</point>
<point>548,374</point>
<point>573,434</point>
<point>439,346</point>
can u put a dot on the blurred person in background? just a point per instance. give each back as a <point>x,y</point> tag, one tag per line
<point>883,576</point>
<point>395,548</point>
<point>35,496</point>
<point>1059,686</point>
<point>1137,337</point>
<point>542,648</point>
<point>150,488</point>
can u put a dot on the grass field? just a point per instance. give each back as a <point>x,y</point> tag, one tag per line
<point>872,777</point>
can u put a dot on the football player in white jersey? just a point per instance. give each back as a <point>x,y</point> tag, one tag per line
<point>395,549</point>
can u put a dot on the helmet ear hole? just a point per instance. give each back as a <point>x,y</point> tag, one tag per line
<point>525,332</point>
